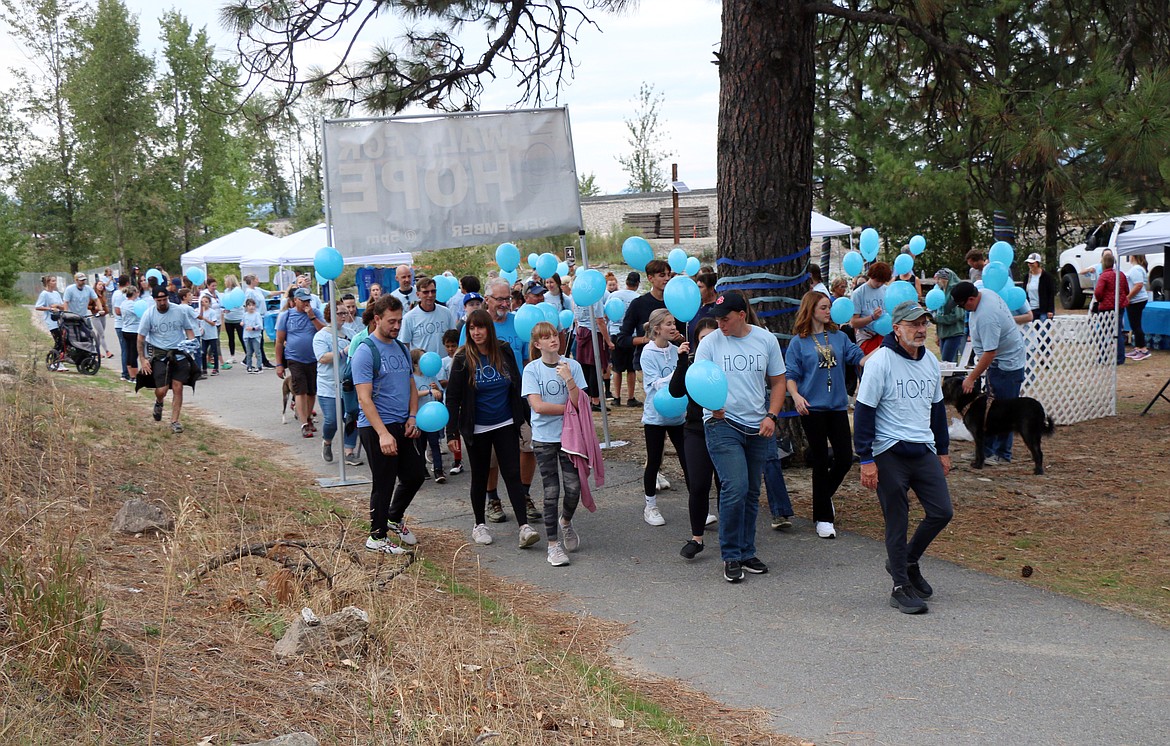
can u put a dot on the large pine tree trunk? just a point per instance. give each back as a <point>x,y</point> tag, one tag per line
<point>765,150</point>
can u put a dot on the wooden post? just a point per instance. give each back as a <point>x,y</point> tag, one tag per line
<point>674,198</point>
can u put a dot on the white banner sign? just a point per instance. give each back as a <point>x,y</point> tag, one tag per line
<point>414,185</point>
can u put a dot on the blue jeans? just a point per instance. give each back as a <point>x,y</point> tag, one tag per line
<point>739,459</point>
<point>1004,384</point>
<point>329,409</point>
<point>778,502</point>
<point>949,348</point>
<point>253,352</point>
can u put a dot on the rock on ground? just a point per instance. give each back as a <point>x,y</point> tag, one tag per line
<point>289,739</point>
<point>137,516</point>
<point>343,633</point>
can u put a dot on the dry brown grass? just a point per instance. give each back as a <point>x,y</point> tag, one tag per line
<point>453,653</point>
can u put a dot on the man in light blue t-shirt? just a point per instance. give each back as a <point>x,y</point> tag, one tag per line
<point>999,351</point>
<point>741,436</point>
<point>900,434</point>
<point>165,327</point>
<point>295,328</point>
<point>423,326</point>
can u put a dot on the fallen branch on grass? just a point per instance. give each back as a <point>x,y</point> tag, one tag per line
<point>265,551</point>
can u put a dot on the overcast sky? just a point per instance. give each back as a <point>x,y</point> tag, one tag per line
<point>668,43</point>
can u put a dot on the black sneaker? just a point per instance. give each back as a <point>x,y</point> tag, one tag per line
<point>158,407</point>
<point>690,549</point>
<point>922,589</point>
<point>534,514</point>
<point>439,478</point>
<point>633,403</point>
<point>754,566</point>
<point>733,572</point>
<point>904,599</point>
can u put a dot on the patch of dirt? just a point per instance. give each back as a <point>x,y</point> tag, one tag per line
<point>1095,526</point>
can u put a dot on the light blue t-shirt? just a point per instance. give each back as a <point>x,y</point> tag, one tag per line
<point>747,362</point>
<point>581,313</point>
<point>116,302</point>
<point>866,300</point>
<point>445,371</point>
<point>542,379</point>
<point>626,296</point>
<point>323,345</point>
<point>196,324</point>
<point>658,364</point>
<point>166,330</point>
<point>392,384</point>
<point>299,330</point>
<point>993,328</point>
<point>78,298</point>
<point>46,299</point>
<point>210,328</point>
<point>129,317</point>
<point>425,330</point>
<point>505,332</point>
<point>253,325</point>
<point>1135,275</point>
<point>424,382</point>
<point>902,391</point>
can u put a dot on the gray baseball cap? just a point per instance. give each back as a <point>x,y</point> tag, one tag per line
<point>910,311</point>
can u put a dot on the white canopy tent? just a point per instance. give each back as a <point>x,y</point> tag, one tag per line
<point>298,250</point>
<point>823,226</point>
<point>228,249</point>
<point>1150,238</point>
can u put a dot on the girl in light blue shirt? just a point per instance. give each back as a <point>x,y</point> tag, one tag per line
<point>659,359</point>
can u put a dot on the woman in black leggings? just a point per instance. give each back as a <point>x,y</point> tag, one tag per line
<point>700,470</point>
<point>233,321</point>
<point>486,410</point>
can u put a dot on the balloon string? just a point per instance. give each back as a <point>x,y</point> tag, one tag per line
<point>764,285</point>
<point>775,299</point>
<point>763,262</point>
<point>776,312</point>
<point>760,276</point>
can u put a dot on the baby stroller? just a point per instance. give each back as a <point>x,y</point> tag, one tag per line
<point>78,345</point>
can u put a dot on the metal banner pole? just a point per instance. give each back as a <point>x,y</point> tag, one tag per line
<point>341,480</point>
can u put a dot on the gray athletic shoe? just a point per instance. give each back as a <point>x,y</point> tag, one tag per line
<point>570,539</point>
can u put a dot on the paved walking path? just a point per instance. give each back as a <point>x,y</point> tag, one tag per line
<point>813,642</point>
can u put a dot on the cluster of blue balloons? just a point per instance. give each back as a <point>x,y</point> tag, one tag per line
<point>196,275</point>
<point>329,264</point>
<point>233,298</point>
<point>445,288</point>
<point>869,243</point>
<point>995,276</point>
<point>528,316</point>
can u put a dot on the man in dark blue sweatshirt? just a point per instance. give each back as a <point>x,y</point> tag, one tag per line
<point>900,434</point>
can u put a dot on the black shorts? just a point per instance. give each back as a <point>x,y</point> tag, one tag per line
<point>166,369</point>
<point>622,359</point>
<point>304,377</point>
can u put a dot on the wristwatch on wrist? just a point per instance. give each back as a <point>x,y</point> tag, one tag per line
<point>774,418</point>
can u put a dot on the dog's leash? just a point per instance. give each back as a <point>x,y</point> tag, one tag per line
<point>989,395</point>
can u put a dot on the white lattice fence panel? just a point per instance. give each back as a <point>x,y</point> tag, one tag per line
<point>1072,366</point>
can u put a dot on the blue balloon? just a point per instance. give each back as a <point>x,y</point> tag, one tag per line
<point>445,288</point>
<point>157,275</point>
<point>430,364</point>
<point>935,299</point>
<point>563,269</point>
<point>842,311</point>
<point>589,287</point>
<point>884,325</point>
<point>432,417</point>
<point>853,264</point>
<point>1001,251</point>
<point>546,265</point>
<point>917,245</point>
<point>615,309</point>
<point>637,252</point>
<point>903,264</point>
<point>140,307</point>
<point>508,257</point>
<point>566,318</point>
<point>328,262</point>
<point>196,275</point>
<point>321,281</point>
<point>683,298</point>
<point>693,266</point>
<point>669,406</point>
<point>995,276</point>
<point>532,259</point>
<point>549,313</point>
<point>527,317</point>
<point>233,298</point>
<point>1014,295</point>
<point>707,384</point>
<point>677,259</point>
<point>509,276</point>
<point>869,243</point>
<point>898,292</point>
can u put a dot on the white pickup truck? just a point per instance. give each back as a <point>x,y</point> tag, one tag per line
<point>1076,287</point>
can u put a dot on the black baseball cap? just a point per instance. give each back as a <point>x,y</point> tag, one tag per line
<point>963,292</point>
<point>160,291</point>
<point>728,302</point>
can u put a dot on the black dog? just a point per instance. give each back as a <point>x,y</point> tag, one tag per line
<point>1023,415</point>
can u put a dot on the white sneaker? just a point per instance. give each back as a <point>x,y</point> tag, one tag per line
<point>457,468</point>
<point>557,556</point>
<point>825,530</point>
<point>651,515</point>
<point>480,535</point>
<point>570,539</point>
<point>994,461</point>
<point>661,482</point>
<point>711,518</point>
<point>403,532</point>
<point>528,536</point>
<point>383,545</point>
